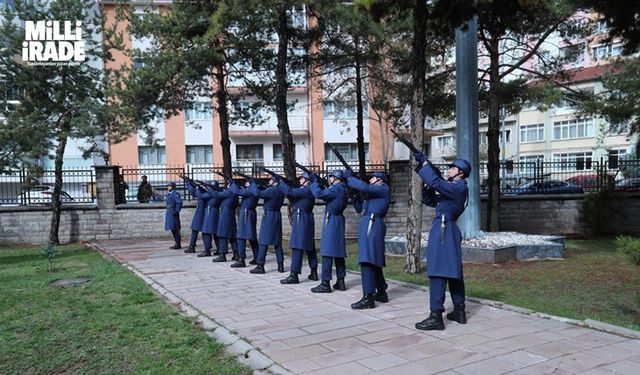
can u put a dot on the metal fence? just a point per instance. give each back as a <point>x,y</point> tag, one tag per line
<point>25,187</point>
<point>160,175</point>
<point>564,176</point>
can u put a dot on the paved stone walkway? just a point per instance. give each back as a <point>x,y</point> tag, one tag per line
<point>310,333</point>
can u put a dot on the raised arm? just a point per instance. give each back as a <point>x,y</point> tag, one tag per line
<point>327,194</point>
<point>373,190</point>
<point>443,187</point>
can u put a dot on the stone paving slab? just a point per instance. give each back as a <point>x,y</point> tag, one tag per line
<point>306,333</point>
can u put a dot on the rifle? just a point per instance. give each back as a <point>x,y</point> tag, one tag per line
<point>201,184</point>
<point>339,156</point>
<point>414,149</point>
<point>276,176</point>
<point>249,178</point>
<point>321,180</point>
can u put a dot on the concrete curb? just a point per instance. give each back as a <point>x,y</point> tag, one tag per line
<point>246,353</point>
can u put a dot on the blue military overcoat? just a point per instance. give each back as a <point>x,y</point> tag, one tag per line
<point>247,219</point>
<point>271,224</point>
<point>212,212</point>
<point>444,255</point>
<point>227,221</point>
<point>332,241</point>
<point>303,223</point>
<point>172,215</point>
<point>372,228</point>
<point>201,206</point>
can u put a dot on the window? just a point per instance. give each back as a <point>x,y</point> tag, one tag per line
<point>249,152</point>
<point>348,150</point>
<point>573,161</point>
<point>615,157</point>
<point>532,133</point>
<point>199,111</point>
<point>622,128</point>
<point>601,27</point>
<point>199,154</point>
<point>151,155</point>
<point>573,54</point>
<point>342,109</point>
<point>137,63</point>
<point>570,129</point>
<point>277,151</point>
<point>446,141</point>
<point>484,139</point>
<point>605,51</point>
<point>531,158</point>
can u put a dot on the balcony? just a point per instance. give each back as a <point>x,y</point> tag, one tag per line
<point>297,125</point>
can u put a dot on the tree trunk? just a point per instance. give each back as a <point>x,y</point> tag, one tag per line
<point>288,150</point>
<point>360,122</point>
<point>493,134</point>
<point>419,65</point>
<point>56,204</point>
<point>225,142</point>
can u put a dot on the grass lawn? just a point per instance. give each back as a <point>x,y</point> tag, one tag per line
<point>112,324</point>
<point>593,282</point>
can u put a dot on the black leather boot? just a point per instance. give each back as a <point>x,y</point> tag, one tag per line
<point>324,287</point>
<point>366,302</point>
<point>292,279</point>
<point>220,259</point>
<point>217,252</point>
<point>259,269</point>
<point>340,285</point>
<point>458,314</point>
<point>433,322</point>
<point>235,256</point>
<point>176,246</point>
<point>204,253</point>
<point>239,264</point>
<point>281,267</point>
<point>190,250</point>
<point>253,261</point>
<point>313,275</point>
<point>381,297</point>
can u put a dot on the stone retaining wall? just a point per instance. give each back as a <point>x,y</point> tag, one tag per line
<point>104,221</point>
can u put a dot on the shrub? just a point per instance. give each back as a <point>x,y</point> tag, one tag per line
<point>629,246</point>
<point>49,251</point>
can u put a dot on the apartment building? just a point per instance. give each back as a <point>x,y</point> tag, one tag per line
<point>193,136</point>
<point>560,133</point>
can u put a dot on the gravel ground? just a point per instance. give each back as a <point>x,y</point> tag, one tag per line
<point>495,239</point>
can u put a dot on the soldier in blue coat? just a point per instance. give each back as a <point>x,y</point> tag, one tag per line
<point>211,216</point>
<point>371,233</point>
<point>227,222</point>
<point>302,228</point>
<point>198,216</point>
<point>271,224</point>
<point>444,255</point>
<point>247,221</point>
<point>333,246</point>
<point>172,215</point>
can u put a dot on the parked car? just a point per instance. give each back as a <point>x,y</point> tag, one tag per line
<point>591,181</point>
<point>628,184</point>
<point>545,187</point>
<point>42,194</point>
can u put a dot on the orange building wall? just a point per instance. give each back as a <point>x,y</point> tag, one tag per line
<point>124,153</point>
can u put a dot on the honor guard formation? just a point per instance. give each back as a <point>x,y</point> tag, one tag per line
<point>217,206</point>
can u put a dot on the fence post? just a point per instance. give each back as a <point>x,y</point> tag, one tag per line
<point>106,185</point>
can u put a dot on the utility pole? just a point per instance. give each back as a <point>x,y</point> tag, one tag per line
<point>467,120</point>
